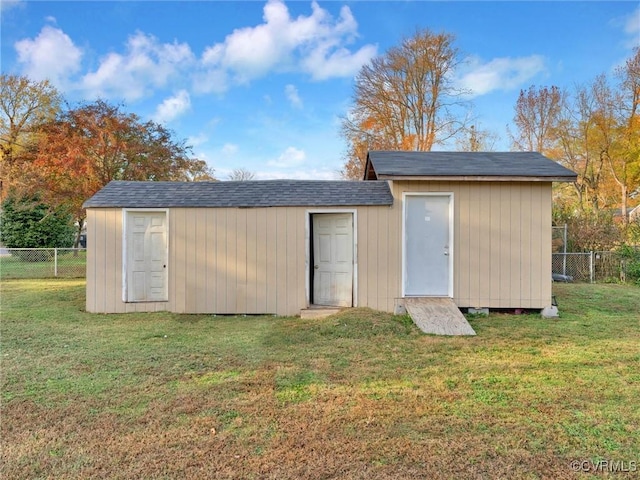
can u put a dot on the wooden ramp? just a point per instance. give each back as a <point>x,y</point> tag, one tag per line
<point>438,316</point>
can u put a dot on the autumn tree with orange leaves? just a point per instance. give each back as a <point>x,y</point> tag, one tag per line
<point>24,106</point>
<point>405,99</point>
<point>85,148</point>
<point>594,131</point>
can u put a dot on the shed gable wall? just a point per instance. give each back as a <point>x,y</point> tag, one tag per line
<point>502,241</point>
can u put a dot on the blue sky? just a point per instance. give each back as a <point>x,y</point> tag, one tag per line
<point>263,85</point>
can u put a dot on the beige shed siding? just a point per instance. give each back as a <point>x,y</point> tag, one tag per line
<point>502,241</point>
<point>237,260</point>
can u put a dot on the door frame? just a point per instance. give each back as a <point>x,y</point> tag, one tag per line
<point>125,252</point>
<point>308,240</point>
<point>450,196</point>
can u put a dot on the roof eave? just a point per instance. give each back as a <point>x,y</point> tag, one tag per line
<point>479,178</point>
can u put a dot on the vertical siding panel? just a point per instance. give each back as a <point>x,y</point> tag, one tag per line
<point>383,258</point>
<point>281,261</point>
<point>231,259</point>
<point>211,247</point>
<point>252,261</point>
<point>484,236</point>
<point>189,247</point>
<point>291,256</point>
<point>506,258</point>
<point>464,246</point>
<point>474,236</point>
<point>495,246</point>
<point>372,259</point>
<point>301,255</point>
<point>117,261</point>
<point>525,245</point>
<point>394,253</point>
<point>536,230</point>
<point>90,286</point>
<point>222,278</point>
<point>271,283</point>
<point>515,246</point>
<point>113,294</point>
<point>363,258</point>
<point>102,264</point>
<point>201,259</point>
<point>180,263</point>
<point>545,205</point>
<point>261,233</point>
<point>241,260</point>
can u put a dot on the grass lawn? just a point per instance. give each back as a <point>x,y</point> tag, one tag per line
<point>361,395</point>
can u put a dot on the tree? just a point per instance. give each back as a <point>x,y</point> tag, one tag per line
<point>405,99</point>
<point>578,146</point>
<point>24,105</point>
<point>241,175</point>
<point>476,140</point>
<point>537,113</point>
<point>85,148</point>
<point>29,223</point>
<point>620,126</point>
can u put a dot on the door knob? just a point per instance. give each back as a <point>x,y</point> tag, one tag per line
<point>316,267</point>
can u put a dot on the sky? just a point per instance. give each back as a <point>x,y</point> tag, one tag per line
<point>263,85</point>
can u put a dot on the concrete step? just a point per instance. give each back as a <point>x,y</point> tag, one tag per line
<point>318,311</point>
<point>438,316</point>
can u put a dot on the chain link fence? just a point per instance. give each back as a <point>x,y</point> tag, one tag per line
<point>589,267</point>
<point>71,263</point>
<point>42,263</point>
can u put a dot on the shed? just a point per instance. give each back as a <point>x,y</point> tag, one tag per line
<point>474,227</point>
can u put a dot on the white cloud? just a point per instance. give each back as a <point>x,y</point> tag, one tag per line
<point>315,44</point>
<point>173,107</point>
<point>147,63</point>
<point>51,55</point>
<point>632,28</point>
<point>229,149</point>
<point>499,74</point>
<point>298,175</point>
<point>292,95</point>
<point>197,140</point>
<point>6,5</point>
<point>323,62</point>
<point>291,157</point>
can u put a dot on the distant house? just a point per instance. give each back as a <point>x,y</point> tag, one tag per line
<point>474,227</point>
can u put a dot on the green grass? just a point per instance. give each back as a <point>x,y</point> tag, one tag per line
<point>69,265</point>
<point>358,395</point>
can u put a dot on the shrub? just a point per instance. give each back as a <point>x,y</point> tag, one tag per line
<point>589,230</point>
<point>631,258</point>
<point>29,223</point>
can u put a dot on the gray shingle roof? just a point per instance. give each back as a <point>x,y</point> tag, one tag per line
<point>389,164</point>
<point>265,193</point>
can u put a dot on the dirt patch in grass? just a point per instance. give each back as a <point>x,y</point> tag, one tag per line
<point>358,395</point>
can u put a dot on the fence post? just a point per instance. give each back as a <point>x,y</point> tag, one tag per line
<point>591,267</point>
<point>55,262</point>
<point>564,251</point>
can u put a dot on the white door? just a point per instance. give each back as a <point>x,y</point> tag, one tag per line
<point>427,248</point>
<point>146,256</point>
<point>333,259</point>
